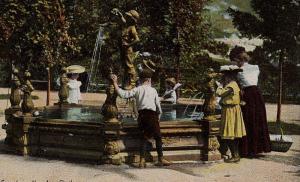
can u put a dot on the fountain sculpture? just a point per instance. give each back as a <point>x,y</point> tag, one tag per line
<point>63,91</point>
<point>81,132</point>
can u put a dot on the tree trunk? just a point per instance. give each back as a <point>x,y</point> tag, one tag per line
<point>279,96</point>
<point>48,86</point>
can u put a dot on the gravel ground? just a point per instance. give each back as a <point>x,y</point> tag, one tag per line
<point>274,166</point>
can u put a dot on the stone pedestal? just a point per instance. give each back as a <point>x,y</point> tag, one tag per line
<point>111,136</point>
<point>211,131</point>
<point>17,130</point>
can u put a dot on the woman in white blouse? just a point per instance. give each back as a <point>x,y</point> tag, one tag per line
<point>254,111</point>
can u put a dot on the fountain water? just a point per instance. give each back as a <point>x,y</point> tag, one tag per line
<point>194,114</point>
<point>96,56</point>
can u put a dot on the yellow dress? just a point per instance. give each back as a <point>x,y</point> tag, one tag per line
<point>232,123</point>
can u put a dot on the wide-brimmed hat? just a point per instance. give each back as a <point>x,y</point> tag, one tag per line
<point>150,65</point>
<point>75,69</point>
<point>133,14</point>
<point>230,69</point>
<point>171,81</point>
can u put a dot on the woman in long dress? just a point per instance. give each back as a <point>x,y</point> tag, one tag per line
<point>254,110</point>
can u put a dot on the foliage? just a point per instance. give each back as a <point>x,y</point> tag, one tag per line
<point>64,31</point>
<point>277,23</point>
<point>222,23</point>
<point>269,73</point>
<point>34,31</point>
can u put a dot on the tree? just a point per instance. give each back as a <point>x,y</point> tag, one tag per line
<point>34,31</point>
<point>278,24</point>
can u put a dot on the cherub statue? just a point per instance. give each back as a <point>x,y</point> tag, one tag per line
<point>15,95</point>
<point>128,38</point>
<point>27,104</point>
<point>63,93</point>
<point>210,95</point>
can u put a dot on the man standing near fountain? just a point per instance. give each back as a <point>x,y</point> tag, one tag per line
<point>129,37</point>
<point>149,109</point>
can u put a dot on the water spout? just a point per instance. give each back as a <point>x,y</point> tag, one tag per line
<point>96,56</point>
<point>194,113</point>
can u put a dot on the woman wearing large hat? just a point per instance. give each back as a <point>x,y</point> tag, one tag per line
<point>254,111</point>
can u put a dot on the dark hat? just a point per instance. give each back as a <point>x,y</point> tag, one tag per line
<point>150,65</point>
<point>236,51</point>
<point>146,73</point>
<point>171,81</point>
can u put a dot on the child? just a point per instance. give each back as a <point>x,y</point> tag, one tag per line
<point>149,109</point>
<point>74,89</point>
<point>232,124</point>
<point>170,94</point>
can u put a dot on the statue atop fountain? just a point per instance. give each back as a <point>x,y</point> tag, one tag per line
<point>210,95</point>
<point>15,96</point>
<point>128,38</point>
<point>27,104</point>
<point>109,108</point>
<point>64,90</point>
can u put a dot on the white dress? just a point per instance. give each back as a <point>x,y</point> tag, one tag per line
<point>74,91</point>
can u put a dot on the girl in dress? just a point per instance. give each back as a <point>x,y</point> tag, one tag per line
<point>232,124</point>
<point>74,89</point>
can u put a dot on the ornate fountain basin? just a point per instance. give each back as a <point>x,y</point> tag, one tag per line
<point>78,132</point>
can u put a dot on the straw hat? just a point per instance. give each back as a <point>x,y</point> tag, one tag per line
<point>230,69</point>
<point>150,65</point>
<point>75,69</point>
<point>133,14</point>
<point>171,81</point>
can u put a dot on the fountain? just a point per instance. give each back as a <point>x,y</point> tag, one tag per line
<point>89,133</point>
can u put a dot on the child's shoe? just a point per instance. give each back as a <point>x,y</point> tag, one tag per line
<point>142,163</point>
<point>232,160</point>
<point>163,162</point>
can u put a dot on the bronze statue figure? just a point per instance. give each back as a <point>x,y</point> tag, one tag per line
<point>109,108</point>
<point>63,93</point>
<point>15,95</point>
<point>27,104</point>
<point>128,38</point>
<point>210,95</point>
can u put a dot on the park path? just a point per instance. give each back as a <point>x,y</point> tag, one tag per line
<point>272,167</point>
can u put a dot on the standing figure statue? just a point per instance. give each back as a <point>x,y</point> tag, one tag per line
<point>210,95</point>
<point>128,38</point>
<point>109,108</point>
<point>27,104</point>
<point>64,89</point>
<point>15,95</point>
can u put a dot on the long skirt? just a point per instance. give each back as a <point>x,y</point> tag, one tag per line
<point>148,124</point>
<point>255,119</point>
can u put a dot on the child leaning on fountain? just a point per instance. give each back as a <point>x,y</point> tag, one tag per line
<point>232,123</point>
<point>149,109</point>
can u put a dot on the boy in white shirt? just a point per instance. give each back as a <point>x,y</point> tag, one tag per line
<point>149,109</point>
